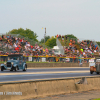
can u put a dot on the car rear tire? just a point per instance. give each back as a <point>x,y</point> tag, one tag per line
<point>91,72</point>
<point>2,68</point>
<point>16,69</point>
<point>97,72</point>
<point>11,70</point>
<point>25,68</point>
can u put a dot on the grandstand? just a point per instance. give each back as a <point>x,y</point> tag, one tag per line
<point>70,47</point>
<point>78,45</point>
<point>13,43</point>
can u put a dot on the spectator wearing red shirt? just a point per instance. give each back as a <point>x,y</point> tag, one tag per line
<point>37,58</point>
<point>17,49</point>
<point>74,58</point>
<point>31,47</point>
<point>57,35</point>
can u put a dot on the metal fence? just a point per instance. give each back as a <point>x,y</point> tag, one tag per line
<point>50,59</point>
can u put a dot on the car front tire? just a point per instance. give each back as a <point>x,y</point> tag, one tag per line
<point>25,68</point>
<point>2,68</point>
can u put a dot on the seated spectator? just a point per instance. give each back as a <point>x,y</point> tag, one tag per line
<point>71,40</point>
<point>70,44</point>
<point>77,52</point>
<point>95,51</point>
<point>46,50</point>
<point>0,39</point>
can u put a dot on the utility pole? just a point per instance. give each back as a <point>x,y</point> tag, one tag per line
<point>44,35</point>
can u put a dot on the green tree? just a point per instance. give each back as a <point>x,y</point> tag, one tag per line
<point>51,42</point>
<point>98,43</point>
<point>25,33</point>
<point>71,36</point>
<point>46,38</point>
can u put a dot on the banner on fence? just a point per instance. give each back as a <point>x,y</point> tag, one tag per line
<point>29,58</point>
<point>43,59</point>
<point>67,59</point>
<point>91,60</point>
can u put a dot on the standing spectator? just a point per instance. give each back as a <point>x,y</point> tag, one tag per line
<point>37,58</point>
<point>80,61</point>
<point>78,41</point>
<point>70,45</point>
<point>66,37</point>
<point>0,39</point>
<point>57,36</point>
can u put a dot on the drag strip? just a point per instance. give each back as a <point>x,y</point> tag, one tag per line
<point>40,74</point>
<point>5,78</point>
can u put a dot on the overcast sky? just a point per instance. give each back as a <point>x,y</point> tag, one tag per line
<point>78,17</point>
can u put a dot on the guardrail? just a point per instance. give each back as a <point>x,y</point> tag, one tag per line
<point>52,79</point>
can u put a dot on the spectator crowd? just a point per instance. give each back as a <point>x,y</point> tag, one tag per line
<point>76,49</point>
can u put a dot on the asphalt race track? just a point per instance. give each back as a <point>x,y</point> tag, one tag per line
<point>44,73</point>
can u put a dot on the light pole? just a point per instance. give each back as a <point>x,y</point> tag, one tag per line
<point>44,34</point>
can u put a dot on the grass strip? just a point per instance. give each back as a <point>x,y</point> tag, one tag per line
<point>97,99</point>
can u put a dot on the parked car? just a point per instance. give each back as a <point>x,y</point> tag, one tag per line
<point>15,62</point>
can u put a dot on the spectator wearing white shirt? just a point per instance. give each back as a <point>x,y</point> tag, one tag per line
<point>95,51</point>
<point>15,45</point>
<point>28,44</point>
<point>83,53</point>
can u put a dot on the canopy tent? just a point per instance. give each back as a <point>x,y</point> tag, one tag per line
<point>56,50</point>
<point>56,47</point>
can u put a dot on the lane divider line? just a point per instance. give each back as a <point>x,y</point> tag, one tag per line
<point>57,67</point>
<point>44,72</point>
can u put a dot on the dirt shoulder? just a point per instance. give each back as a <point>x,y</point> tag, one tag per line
<point>88,95</point>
